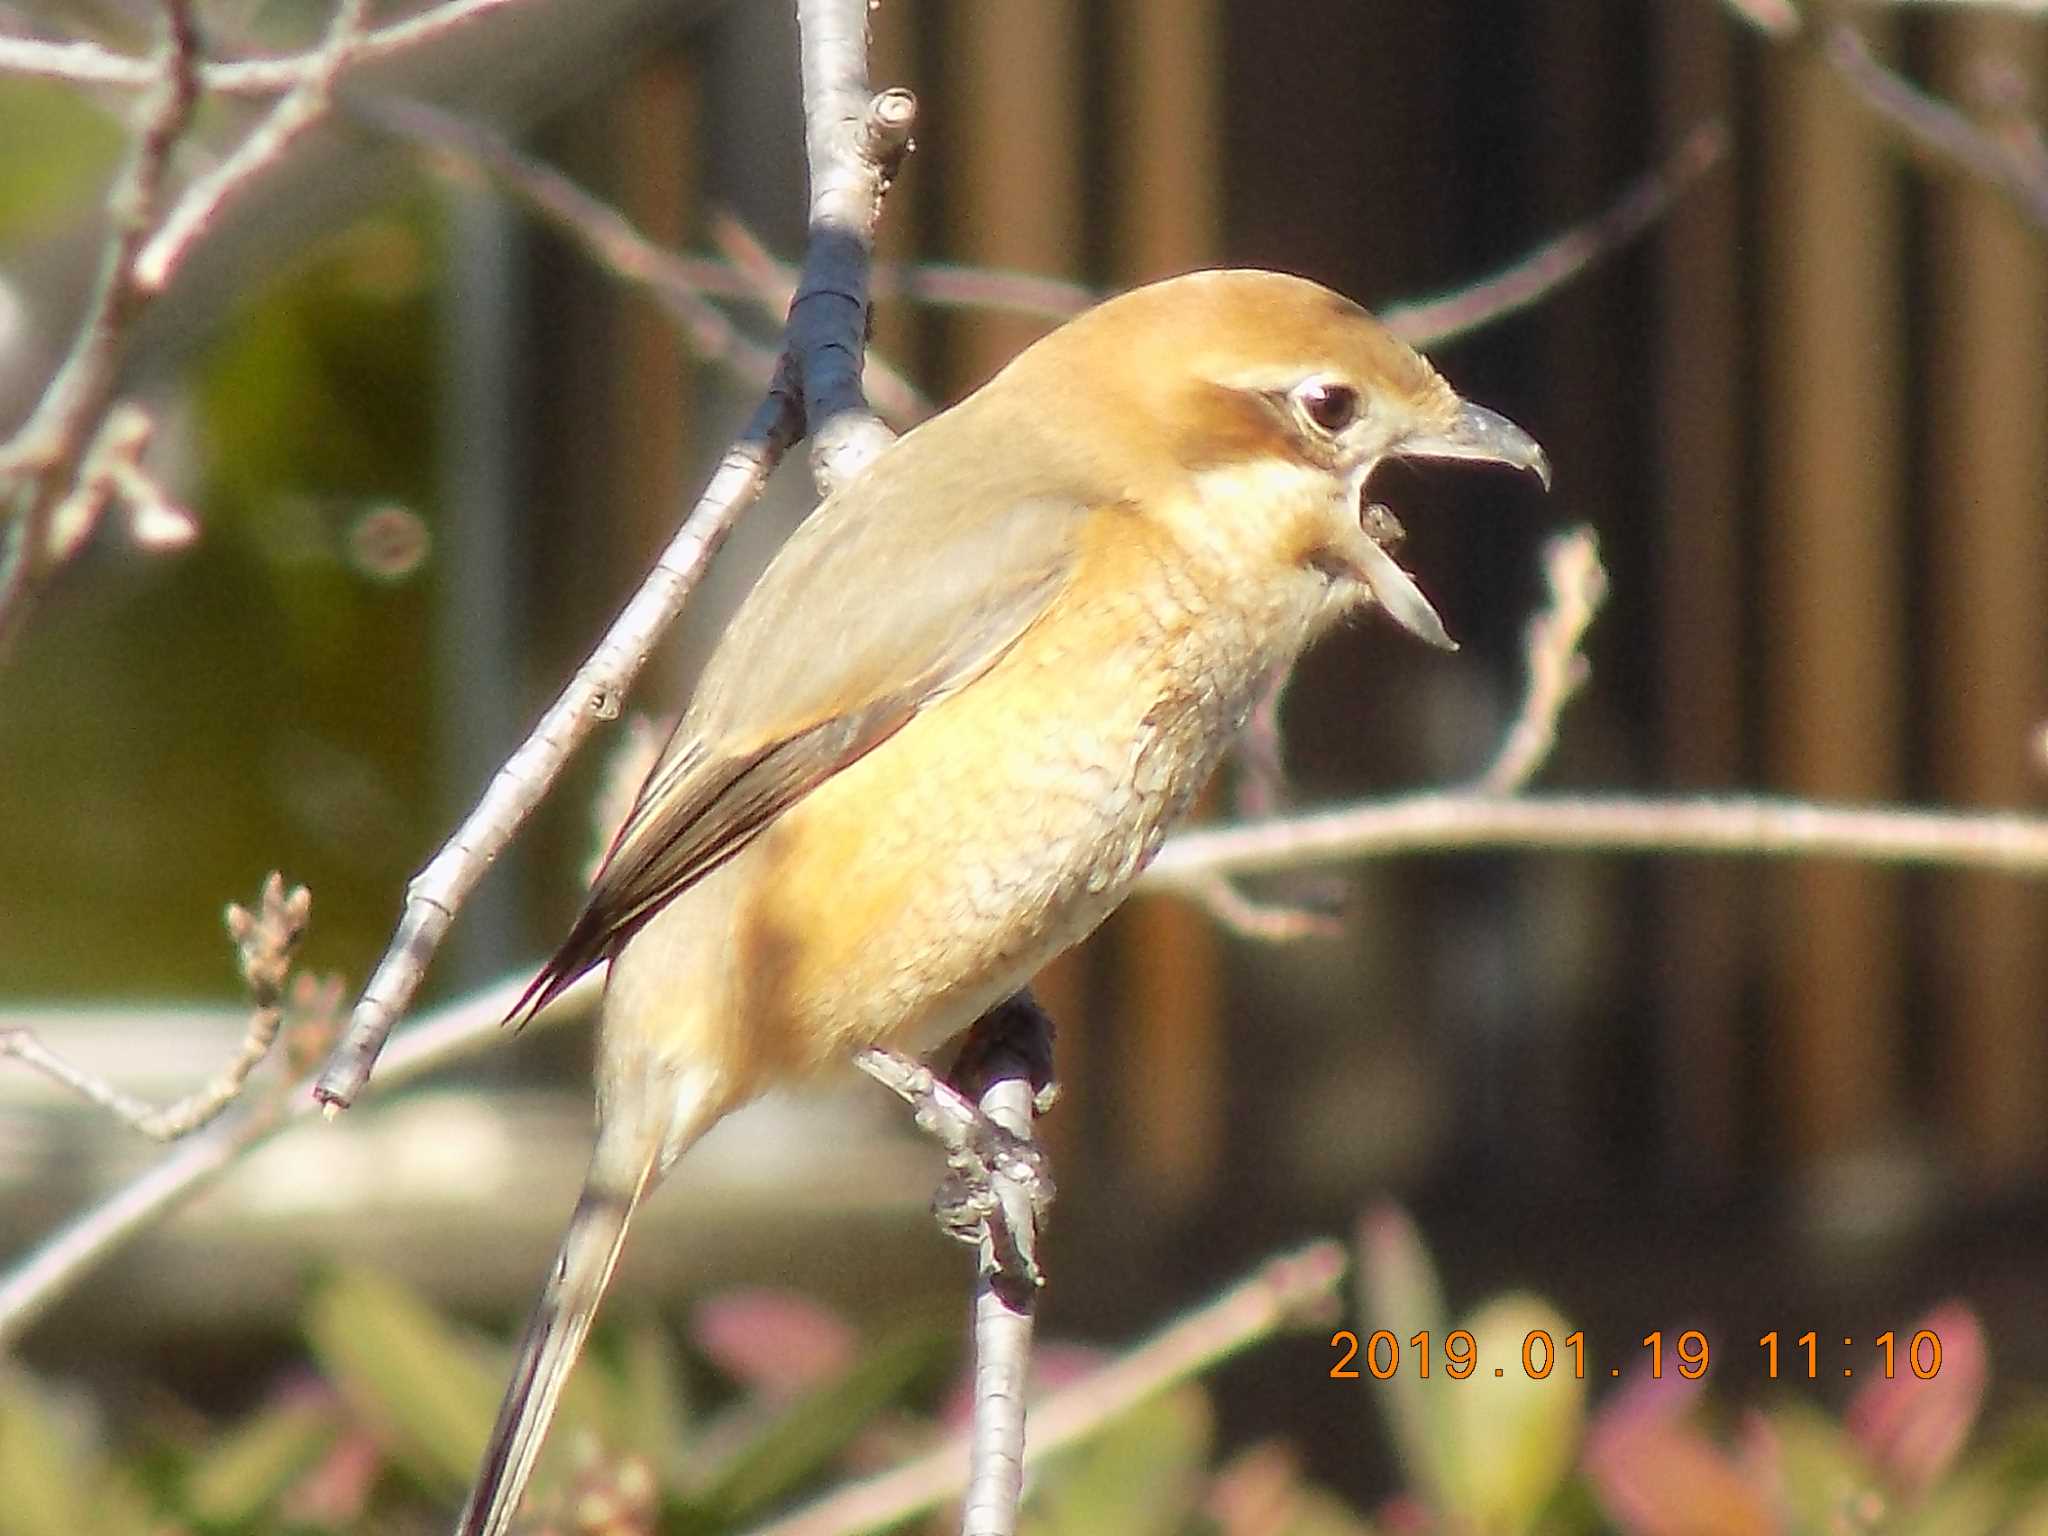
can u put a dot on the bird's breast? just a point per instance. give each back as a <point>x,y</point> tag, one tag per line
<point>935,875</point>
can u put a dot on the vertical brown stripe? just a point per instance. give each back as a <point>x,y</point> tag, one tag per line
<point>654,127</point>
<point>1987,558</point>
<point>1164,133</point>
<point>1830,576</point>
<point>1015,196</point>
<point>1701,595</point>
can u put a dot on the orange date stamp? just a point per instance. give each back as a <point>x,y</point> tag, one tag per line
<point>1811,1356</point>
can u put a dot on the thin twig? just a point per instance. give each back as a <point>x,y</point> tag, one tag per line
<point>1286,1292</point>
<point>437,1038</point>
<point>607,237</point>
<point>1263,922</point>
<point>1938,129</point>
<point>38,466</point>
<point>265,941</point>
<point>855,146</point>
<point>264,147</point>
<point>438,891</point>
<point>1745,826</point>
<point>91,64</point>
<point>1773,18</point>
<point>1557,670</point>
<point>1431,322</point>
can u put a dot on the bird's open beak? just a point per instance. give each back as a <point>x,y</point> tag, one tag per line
<point>1481,435</point>
<point>1477,434</point>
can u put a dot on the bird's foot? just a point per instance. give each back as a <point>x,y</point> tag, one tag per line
<point>998,1188</point>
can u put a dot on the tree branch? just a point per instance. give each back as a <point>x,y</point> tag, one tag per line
<point>91,64</point>
<point>855,144</point>
<point>1940,131</point>
<point>265,941</point>
<point>1287,1292</point>
<point>39,465</point>
<point>1557,671</point>
<point>436,1039</point>
<point>268,143</point>
<point>1431,322</point>
<point>1734,826</point>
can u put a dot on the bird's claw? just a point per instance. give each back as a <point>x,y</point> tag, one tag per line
<point>995,1197</point>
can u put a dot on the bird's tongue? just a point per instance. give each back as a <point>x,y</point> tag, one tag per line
<point>1393,588</point>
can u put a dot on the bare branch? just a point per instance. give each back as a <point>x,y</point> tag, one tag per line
<point>854,145</point>
<point>438,1038</point>
<point>437,892</point>
<point>1265,922</point>
<point>1431,322</point>
<point>1013,293</point>
<point>1939,130</point>
<point>606,236</point>
<point>303,107</point>
<point>1287,1292</point>
<point>90,64</point>
<point>265,941</point>
<point>1740,826</point>
<point>1578,585</point>
<point>38,467</point>
<point>1773,18</point>
<point>772,285</point>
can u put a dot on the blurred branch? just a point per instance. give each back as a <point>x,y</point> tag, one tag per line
<point>1578,585</point>
<point>1940,131</point>
<point>90,64</point>
<point>854,143</point>
<point>265,941</point>
<point>1934,128</point>
<point>1735,825</point>
<point>39,465</point>
<point>1431,322</point>
<point>268,143</point>
<point>606,236</point>
<point>438,1038</point>
<point>1285,1292</point>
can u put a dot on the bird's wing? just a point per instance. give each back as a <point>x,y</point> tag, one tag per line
<point>864,618</point>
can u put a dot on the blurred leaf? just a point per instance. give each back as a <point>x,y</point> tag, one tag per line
<point>1511,1437</point>
<point>809,1436</point>
<point>1914,1429</point>
<point>1972,1505</point>
<point>648,1413</point>
<point>1140,1476</point>
<point>1262,1493</point>
<point>1399,1291</point>
<point>774,1342</point>
<point>426,1385</point>
<point>49,1484</point>
<point>1825,1483</point>
<point>251,1467</point>
<point>1656,1474</point>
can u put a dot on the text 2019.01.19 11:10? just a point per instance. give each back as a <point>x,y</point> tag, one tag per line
<point>1808,1356</point>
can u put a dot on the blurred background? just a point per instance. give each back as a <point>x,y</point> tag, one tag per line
<point>433,448</point>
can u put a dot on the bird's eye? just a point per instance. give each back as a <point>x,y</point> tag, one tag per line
<point>1330,405</point>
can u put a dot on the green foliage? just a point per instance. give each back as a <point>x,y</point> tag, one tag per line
<point>385,1436</point>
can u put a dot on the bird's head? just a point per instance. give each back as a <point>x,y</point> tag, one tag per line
<point>1272,400</point>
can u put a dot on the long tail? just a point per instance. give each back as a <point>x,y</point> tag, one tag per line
<point>554,1338</point>
<point>650,1117</point>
